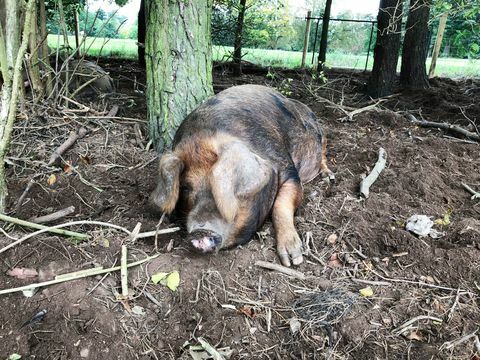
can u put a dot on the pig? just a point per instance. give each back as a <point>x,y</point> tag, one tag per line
<point>238,157</point>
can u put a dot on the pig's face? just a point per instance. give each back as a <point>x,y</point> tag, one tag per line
<point>224,199</point>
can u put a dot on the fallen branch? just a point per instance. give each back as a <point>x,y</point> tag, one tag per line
<point>74,276</point>
<point>113,111</point>
<point>349,116</point>
<point>444,126</point>
<point>43,228</point>
<point>451,344</point>
<point>282,269</point>
<point>53,216</point>
<point>475,194</point>
<point>372,177</point>
<point>72,138</point>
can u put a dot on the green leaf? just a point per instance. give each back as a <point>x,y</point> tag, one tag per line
<point>14,357</point>
<point>366,292</point>
<point>173,280</point>
<point>156,278</point>
<point>170,280</point>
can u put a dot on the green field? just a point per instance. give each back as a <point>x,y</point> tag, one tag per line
<point>126,48</point>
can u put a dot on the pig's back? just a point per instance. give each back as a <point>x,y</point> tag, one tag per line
<point>280,129</point>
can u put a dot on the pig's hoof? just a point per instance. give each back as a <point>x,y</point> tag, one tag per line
<point>290,247</point>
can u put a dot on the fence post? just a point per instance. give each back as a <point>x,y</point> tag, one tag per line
<point>324,37</point>
<point>438,43</point>
<point>306,39</point>
<point>369,45</point>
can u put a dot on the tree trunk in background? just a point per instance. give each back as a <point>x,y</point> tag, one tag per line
<point>322,55</point>
<point>387,46</point>
<point>44,58</point>
<point>141,30</point>
<point>237,46</point>
<point>32,64</point>
<point>415,45</point>
<point>178,54</point>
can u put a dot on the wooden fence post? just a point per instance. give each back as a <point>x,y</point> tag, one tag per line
<point>438,43</point>
<point>306,39</point>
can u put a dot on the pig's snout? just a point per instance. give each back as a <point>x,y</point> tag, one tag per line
<point>206,241</point>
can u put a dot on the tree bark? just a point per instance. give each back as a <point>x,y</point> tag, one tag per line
<point>322,55</point>
<point>141,31</point>
<point>415,45</point>
<point>387,46</point>
<point>44,58</point>
<point>179,63</point>
<point>237,47</point>
<point>33,60</point>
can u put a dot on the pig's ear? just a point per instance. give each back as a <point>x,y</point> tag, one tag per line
<point>238,174</point>
<point>165,195</point>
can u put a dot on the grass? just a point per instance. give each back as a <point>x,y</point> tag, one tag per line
<point>127,49</point>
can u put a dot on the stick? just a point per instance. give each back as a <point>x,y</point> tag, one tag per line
<point>113,111</point>
<point>74,136</point>
<point>282,269</point>
<point>41,227</point>
<point>123,272</point>
<point>402,328</point>
<point>475,194</point>
<point>157,232</point>
<point>75,276</point>
<point>444,126</point>
<point>351,114</point>
<point>210,349</point>
<point>24,194</point>
<point>372,177</point>
<point>450,344</point>
<point>53,216</point>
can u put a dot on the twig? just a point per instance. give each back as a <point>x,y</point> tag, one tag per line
<point>475,194</point>
<point>372,177</point>
<point>282,269</point>
<point>371,282</point>
<point>24,194</point>
<point>43,228</point>
<point>444,126</point>
<point>73,137</point>
<point>75,276</point>
<point>351,114</point>
<point>451,344</point>
<point>123,272</point>
<point>157,232</point>
<point>403,327</point>
<point>113,111</point>
<point>53,216</point>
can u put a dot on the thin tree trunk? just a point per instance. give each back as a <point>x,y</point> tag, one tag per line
<point>9,101</point>
<point>322,55</point>
<point>179,63</point>
<point>387,46</point>
<point>44,58</point>
<point>415,45</point>
<point>33,60</point>
<point>141,30</point>
<point>237,47</point>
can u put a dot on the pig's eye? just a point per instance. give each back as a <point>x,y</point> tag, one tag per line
<point>185,190</point>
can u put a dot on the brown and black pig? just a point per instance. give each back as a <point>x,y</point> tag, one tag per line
<point>237,157</point>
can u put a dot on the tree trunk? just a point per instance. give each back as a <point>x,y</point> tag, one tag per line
<point>322,55</point>
<point>415,45</point>
<point>178,54</point>
<point>141,30</point>
<point>33,60</point>
<point>237,46</point>
<point>387,46</point>
<point>8,106</point>
<point>44,58</point>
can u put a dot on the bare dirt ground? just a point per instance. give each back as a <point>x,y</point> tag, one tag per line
<point>425,291</point>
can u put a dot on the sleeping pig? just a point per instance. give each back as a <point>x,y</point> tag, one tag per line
<point>238,157</point>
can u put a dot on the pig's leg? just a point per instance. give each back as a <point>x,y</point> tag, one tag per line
<point>289,244</point>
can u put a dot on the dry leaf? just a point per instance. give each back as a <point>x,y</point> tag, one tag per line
<point>52,179</point>
<point>332,239</point>
<point>414,336</point>
<point>67,168</point>
<point>86,159</point>
<point>334,261</point>
<point>22,273</point>
<point>248,311</point>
